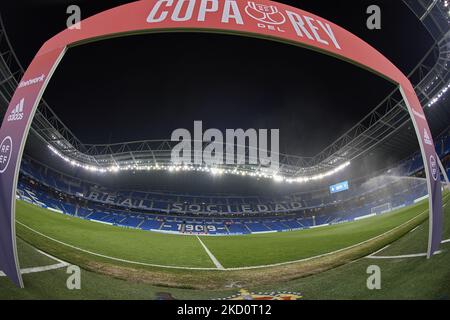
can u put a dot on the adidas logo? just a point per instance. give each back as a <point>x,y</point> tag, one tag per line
<point>17,113</point>
<point>426,138</point>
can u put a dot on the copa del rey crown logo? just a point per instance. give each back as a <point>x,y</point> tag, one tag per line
<point>265,13</point>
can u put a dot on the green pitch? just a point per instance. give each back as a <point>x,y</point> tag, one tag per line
<point>110,257</point>
<point>186,251</point>
<point>266,249</point>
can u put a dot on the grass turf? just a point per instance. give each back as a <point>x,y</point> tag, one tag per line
<point>264,249</point>
<point>401,278</point>
<point>128,244</point>
<point>186,251</point>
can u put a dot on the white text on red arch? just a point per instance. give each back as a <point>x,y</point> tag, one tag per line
<point>264,16</point>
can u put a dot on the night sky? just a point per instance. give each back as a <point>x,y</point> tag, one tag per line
<point>144,87</point>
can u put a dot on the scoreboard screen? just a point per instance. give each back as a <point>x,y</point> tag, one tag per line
<point>343,186</point>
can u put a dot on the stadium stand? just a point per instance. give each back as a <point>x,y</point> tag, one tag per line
<point>232,215</point>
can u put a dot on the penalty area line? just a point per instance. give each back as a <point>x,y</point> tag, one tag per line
<point>211,256</point>
<point>218,269</point>
<point>50,256</point>
<point>402,256</point>
<point>382,249</point>
<point>61,264</point>
<point>374,256</point>
<point>40,269</point>
<point>225,269</point>
<point>414,229</point>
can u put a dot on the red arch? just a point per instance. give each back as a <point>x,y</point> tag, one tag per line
<point>264,19</point>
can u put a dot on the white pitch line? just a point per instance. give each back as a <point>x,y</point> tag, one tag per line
<point>40,269</point>
<point>382,249</point>
<point>403,256</point>
<point>211,256</point>
<point>59,265</point>
<point>111,258</point>
<point>373,255</point>
<point>51,257</point>
<point>325,254</point>
<point>216,269</point>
